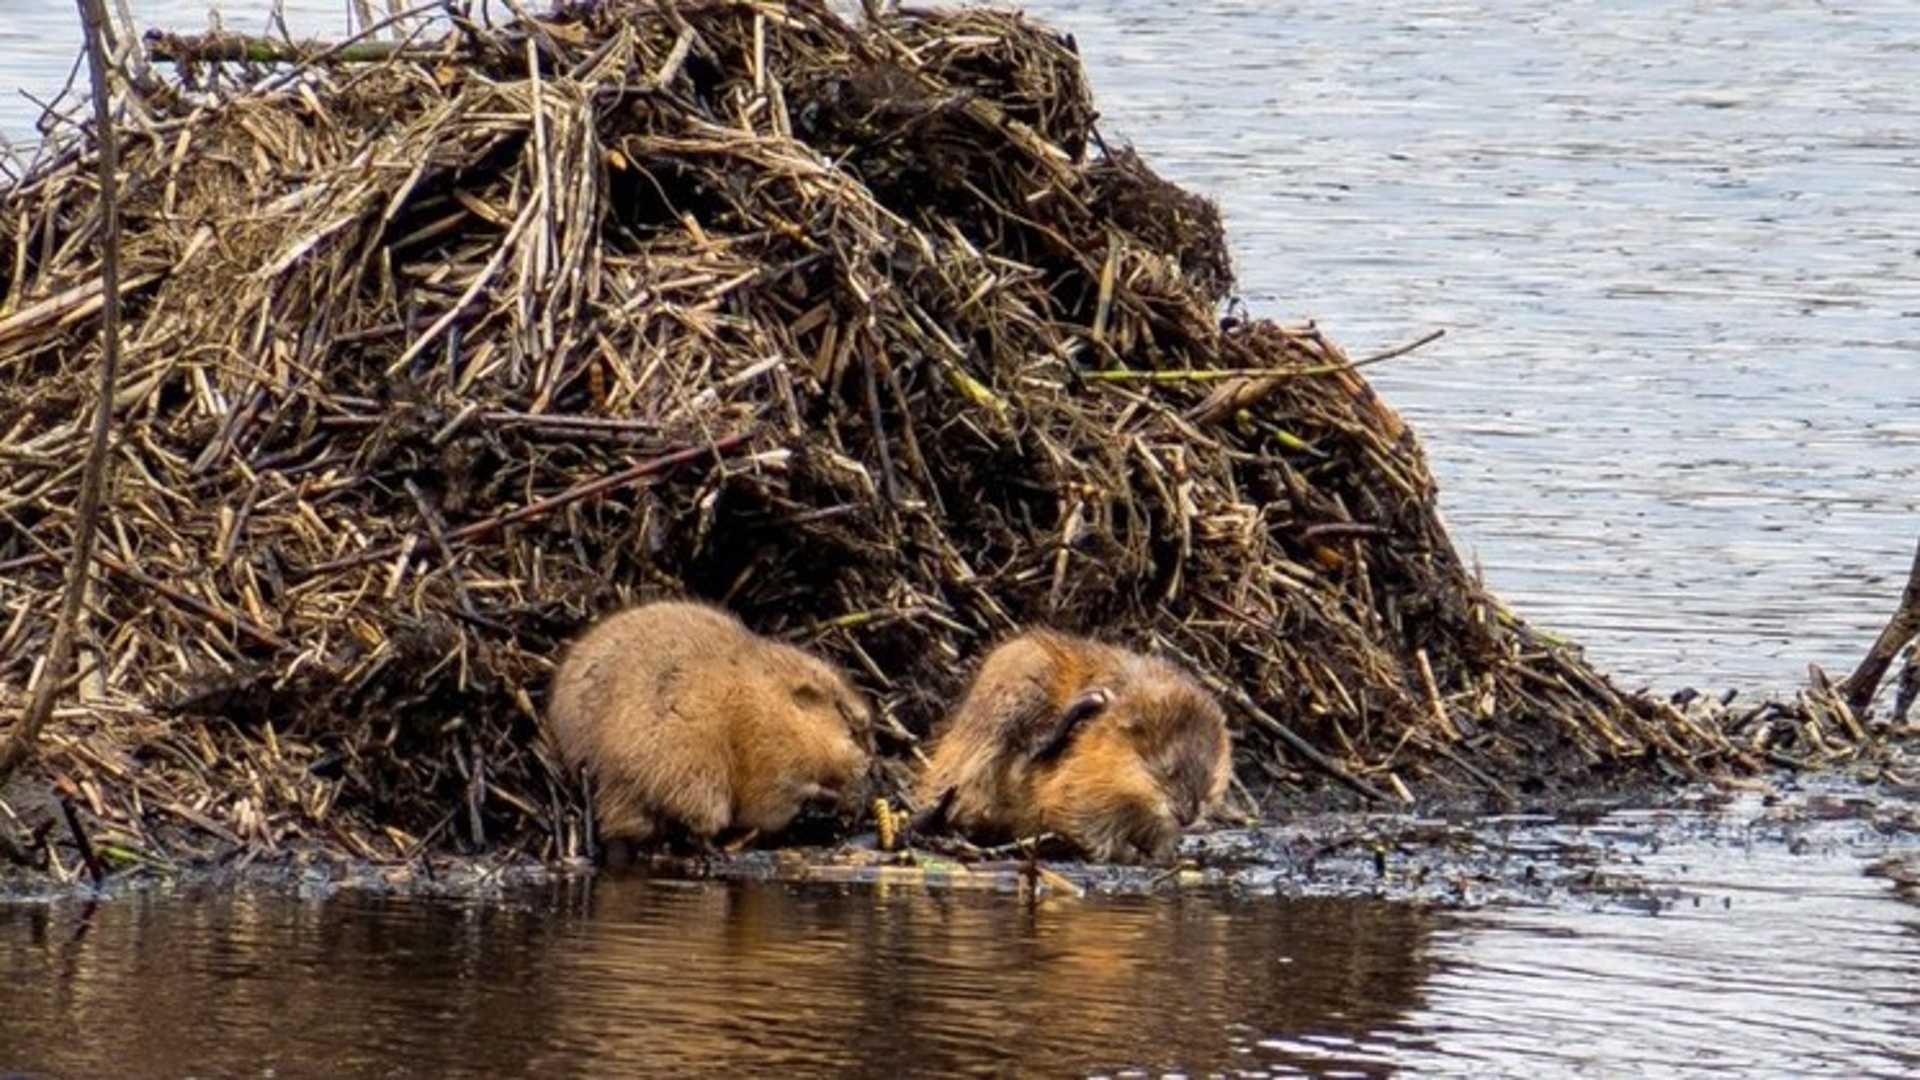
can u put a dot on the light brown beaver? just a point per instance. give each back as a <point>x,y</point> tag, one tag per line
<point>1115,750</point>
<point>681,715</point>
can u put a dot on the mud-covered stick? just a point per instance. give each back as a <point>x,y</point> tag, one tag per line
<point>87,855</point>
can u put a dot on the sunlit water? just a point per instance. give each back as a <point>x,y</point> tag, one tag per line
<point>1676,248</point>
<point>1763,959</point>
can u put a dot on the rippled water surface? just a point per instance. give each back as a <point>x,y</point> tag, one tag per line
<point>1769,957</point>
<point>1676,248</point>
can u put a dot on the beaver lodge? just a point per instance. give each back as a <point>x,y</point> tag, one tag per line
<point>436,348</point>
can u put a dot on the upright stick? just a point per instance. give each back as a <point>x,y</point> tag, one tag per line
<point>1900,629</point>
<point>93,19</point>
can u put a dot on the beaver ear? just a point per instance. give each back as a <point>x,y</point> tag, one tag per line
<point>1089,704</point>
<point>807,695</point>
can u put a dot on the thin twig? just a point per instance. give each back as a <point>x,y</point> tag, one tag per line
<point>93,19</point>
<point>1400,350</point>
<point>199,607</point>
<point>535,509</point>
<point>337,47</point>
<point>1277,729</point>
<point>437,529</point>
<point>1221,374</point>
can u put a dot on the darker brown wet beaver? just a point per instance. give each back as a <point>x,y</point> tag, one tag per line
<point>1115,750</point>
<point>681,716</point>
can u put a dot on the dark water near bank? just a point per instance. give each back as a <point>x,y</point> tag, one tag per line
<point>1676,248</point>
<point>1775,956</point>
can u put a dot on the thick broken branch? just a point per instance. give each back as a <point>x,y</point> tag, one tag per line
<point>217,47</point>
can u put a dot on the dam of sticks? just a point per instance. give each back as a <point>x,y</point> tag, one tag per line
<point>436,347</point>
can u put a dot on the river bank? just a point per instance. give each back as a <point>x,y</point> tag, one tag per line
<point>1607,850</point>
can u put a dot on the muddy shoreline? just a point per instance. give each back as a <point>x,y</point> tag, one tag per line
<point>1582,850</point>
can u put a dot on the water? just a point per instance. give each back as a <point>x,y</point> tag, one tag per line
<point>1673,245</point>
<point>1765,958</point>
<point>1676,249</point>
<point>1676,414</point>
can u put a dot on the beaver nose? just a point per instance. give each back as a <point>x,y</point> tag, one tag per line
<point>833,795</point>
<point>855,791</point>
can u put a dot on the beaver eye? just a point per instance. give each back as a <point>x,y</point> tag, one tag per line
<point>809,696</point>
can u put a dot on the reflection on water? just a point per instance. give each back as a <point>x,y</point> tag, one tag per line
<point>1777,959</point>
<point>639,978</point>
<point>966,984</point>
<point>1673,246</point>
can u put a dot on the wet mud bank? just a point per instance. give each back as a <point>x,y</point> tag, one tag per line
<point>1644,852</point>
<point>1648,851</point>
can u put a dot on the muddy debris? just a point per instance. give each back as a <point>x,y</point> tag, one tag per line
<point>436,351</point>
